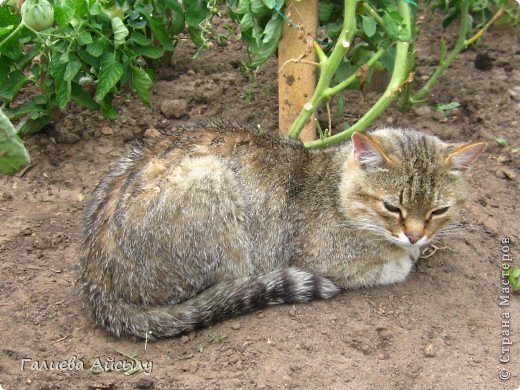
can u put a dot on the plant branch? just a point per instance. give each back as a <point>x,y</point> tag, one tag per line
<point>379,20</point>
<point>462,43</point>
<point>329,92</point>
<point>399,78</point>
<point>445,63</point>
<point>501,11</point>
<point>12,33</point>
<point>328,66</point>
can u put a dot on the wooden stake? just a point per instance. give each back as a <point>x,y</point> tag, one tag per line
<point>296,65</point>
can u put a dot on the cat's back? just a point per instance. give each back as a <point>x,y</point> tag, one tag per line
<point>219,156</point>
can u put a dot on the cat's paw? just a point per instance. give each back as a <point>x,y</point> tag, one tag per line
<point>395,271</point>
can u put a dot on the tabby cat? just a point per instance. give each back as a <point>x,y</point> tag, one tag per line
<point>210,222</point>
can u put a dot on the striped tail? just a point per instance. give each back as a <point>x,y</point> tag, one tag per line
<point>221,301</point>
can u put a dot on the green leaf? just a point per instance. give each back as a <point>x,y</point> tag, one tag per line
<point>259,8</point>
<point>81,7</point>
<point>109,74</point>
<point>514,279</point>
<point>98,47</point>
<point>270,4</point>
<point>266,49</point>
<point>72,70</point>
<point>340,106</point>
<point>369,25</point>
<point>196,12</point>
<point>142,84</point>
<point>388,59</point>
<point>107,108</point>
<point>447,106</point>
<point>63,12</point>
<point>151,52</point>
<point>28,57</point>
<point>15,81</point>
<point>13,155</point>
<point>84,38</point>
<point>246,23</point>
<point>120,31</point>
<point>6,30</point>
<point>391,25</point>
<point>243,6</point>
<point>137,24</point>
<point>33,125</point>
<point>35,104</point>
<point>325,11</point>
<point>160,33</point>
<point>273,29</point>
<point>79,95</point>
<point>96,9</point>
<point>177,16</point>
<point>4,69</point>
<point>63,58</point>
<point>502,141</point>
<point>62,86</point>
<point>88,58</point>
<point>140,39</point>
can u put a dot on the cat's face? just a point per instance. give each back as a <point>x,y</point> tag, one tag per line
<point>404,186</point>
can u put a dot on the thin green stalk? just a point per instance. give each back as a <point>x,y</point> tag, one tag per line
<point>379,20</point>
<point>328,66</point>
<point>331,91</point>
<point>445,63</point>
<point>399,77</point>
<point>12,34</point>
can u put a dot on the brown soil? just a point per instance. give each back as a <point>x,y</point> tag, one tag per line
<point>441,329</point>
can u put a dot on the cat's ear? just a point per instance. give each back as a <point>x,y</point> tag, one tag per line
<point>368,151</point>
<point>461,158</point>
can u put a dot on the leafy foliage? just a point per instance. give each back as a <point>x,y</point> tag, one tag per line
<point>13,154</point>
<point>92,50</point>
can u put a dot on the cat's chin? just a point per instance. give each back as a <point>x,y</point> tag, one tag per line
<point>413,249</point>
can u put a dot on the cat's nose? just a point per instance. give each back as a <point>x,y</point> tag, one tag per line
<point>413,238</point>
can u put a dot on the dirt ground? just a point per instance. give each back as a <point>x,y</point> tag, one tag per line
<point>441,329</point>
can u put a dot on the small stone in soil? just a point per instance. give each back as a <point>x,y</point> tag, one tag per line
<point>423,111</point>
<point>235,325</point>
<point>27,231</point>
<point>174,108</point>
<point>429,351</point>
<point>185,339</point>
<point>483,62</point>
<point>151,133</point>
<point>107,130</point>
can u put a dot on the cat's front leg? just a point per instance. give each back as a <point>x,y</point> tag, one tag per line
<point>377,273</point>
<point>394,271</point>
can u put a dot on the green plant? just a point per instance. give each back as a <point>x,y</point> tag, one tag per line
<point>514,279</point>
<point>86,51</point>
<point>13,154</point>
<point>360,36</point>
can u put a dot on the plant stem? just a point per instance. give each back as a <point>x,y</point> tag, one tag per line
<point>328,66</point>
<point>329,92</point>
<point>399,77</point>
<point>445,63</point>
<point>12,34</point>
<point>379,20</point>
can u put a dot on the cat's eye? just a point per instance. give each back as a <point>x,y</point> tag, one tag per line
<point>392,208</point>
<point>441,211</point>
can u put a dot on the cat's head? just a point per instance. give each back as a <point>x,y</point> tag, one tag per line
<point>404,186</point>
